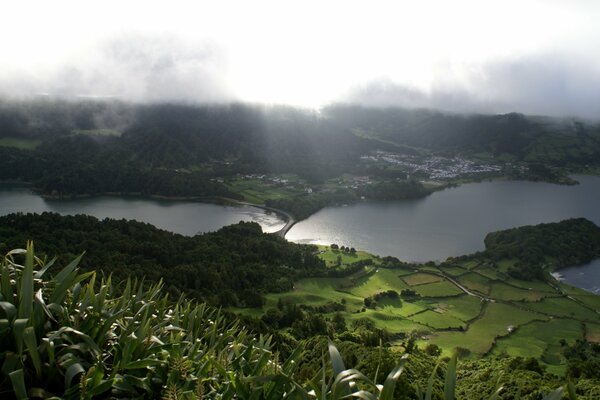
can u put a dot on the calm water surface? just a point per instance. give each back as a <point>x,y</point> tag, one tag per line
<point>185,217</point>
<point>586,277</point>
<point>450,222</point>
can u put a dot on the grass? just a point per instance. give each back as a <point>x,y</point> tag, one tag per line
<point>476,282</point>
<point>406,309</point>
<point>450,317</point>
<point>438,320</point>
<point>25,144</point>
<point>393,323</point>
<point>481,334</point>
<point>490,273</point>
<point>541,339</point>
<point>258,191</point>
<point>592,332</point>
<point>590,300</point>
<point>383,279</point>
<point>421,279</point>
<point>564,307</point>
<point>471,264</point>
<point>438,289</point>
<point>463,307</point>
<point>454,270</point>
<point>502,291</point>
<point>331,256</point>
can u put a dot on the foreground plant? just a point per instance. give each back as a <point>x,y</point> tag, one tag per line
<point>76,337</point>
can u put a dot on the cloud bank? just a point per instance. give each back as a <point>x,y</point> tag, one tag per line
<point>134,67</point>
<point>541,85</point>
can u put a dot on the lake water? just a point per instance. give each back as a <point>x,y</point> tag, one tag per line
<point>586,276</point>
<point>450,222</point>
<point>185,217</point>
<point>447,223</point>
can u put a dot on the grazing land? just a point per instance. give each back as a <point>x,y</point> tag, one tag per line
<point>472,303</point>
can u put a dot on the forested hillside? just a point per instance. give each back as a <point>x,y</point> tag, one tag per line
<point>233,266</point>
<point>178,150</point>
<point>545,246</point>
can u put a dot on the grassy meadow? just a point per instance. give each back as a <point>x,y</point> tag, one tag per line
<point>504,316</point>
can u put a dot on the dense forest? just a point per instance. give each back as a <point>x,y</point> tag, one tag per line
<point>555,245</point>
<point>175,150</point>
<point>233,266</point>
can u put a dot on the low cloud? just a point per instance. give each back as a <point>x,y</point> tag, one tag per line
<point>133,68</point>
<point>543,85</point>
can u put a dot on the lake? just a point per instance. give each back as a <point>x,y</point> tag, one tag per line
<point>585,276</point>
<point>449,222</point>
<point>185,217</point>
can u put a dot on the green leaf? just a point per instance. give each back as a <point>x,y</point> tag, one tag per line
<point>450,381</point>
<point>17,378</point>
<point>6,285</point>
<point>336,359</point>
<point>72,371</point>
<point>31,343</point>
<point>19,326</point>
<point>387,393</point>
<point>26,288</point>
<point>9,309</point>
<point>571,391</point>
<point>142,364</point>
<point>430,382</point>
<point>66,271</point>
<point>39,274</point>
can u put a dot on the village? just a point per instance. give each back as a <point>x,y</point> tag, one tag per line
<point>433,167</point>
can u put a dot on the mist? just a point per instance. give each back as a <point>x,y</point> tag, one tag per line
<point>541,85</point>
<point>530,56</point>
<point>132,67</point>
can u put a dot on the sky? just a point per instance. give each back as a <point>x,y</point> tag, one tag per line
<point>536,57</point>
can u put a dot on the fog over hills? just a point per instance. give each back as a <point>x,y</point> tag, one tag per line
<point>534,57</point>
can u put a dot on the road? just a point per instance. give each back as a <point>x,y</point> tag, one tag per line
<point>290,221</point>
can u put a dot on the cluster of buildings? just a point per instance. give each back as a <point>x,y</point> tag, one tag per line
<point>434,167</point>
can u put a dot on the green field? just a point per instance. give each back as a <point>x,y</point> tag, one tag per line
<point>421,279</point>
<point>463,307</point>
<point>331,256</point>
<point>438,289</point>
<point>497,321</point>
<point>454,270</point>
<point>592,332</point>
<point>521,318</point>
<point>260,190</point>
<point>503,291</point>
<point>438,320</point>
<point>381,280</point>
<point>564,307</point>
<point>541,340</point>
<point>25,144</point>
<point>475,282</point>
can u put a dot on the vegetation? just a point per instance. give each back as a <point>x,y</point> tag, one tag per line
<point>76,336</point>
<point>232,267</point>
<point>303,291</point>
<point>570,242</point>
